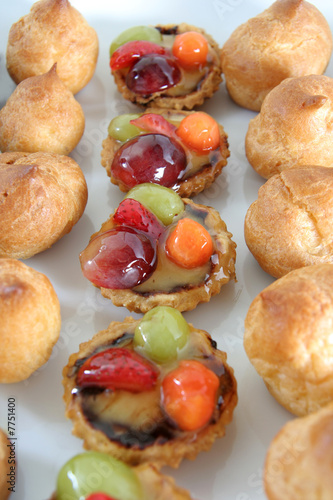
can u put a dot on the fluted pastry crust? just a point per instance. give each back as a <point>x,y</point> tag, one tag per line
<point>208,86</point>
<point>171,452</point>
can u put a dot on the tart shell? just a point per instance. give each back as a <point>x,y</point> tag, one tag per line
<point>171,452</point>
<point>188,187</point>
<point>207,88</point>
<point>185,299</point>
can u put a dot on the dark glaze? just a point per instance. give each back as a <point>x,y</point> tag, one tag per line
<point>159,432</point>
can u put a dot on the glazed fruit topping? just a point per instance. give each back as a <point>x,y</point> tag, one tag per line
<point>154,123</point>
<point>121,129</point>
<point>190,49</point>
<point>189,394</point>
<point>132,213</point>
<point>132,51</point>
<point>153,73</point>
<point>120,258</point>
<point>136,33</point>
<point>161,333</point>
<point>111,479</point>
<point>200,132</point>
<point>189,245</point>
<point>162,201</point>
<point>149,158</point>
<point>118,368</point>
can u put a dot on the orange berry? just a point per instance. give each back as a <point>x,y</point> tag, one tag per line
<point>200,132</point>
<point>190,49</point>
<point>189,394</point>
<point>189,245</point>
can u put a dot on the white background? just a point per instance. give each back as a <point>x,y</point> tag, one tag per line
<point>232,469</point>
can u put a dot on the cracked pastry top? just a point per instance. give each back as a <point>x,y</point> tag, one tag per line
<point>290,225</point>
<point>303,448</point>
<point>160,249</point>
<point>171,66</point>
<point>154,390</point>
<point>42,196</point>
<point>30,320</point>
<point>288,338</point>
<point>289,39</point>
<point>182,150</point>
<point>53,32</point>
<point>293,127</point>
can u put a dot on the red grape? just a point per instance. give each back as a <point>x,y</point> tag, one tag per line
<point>119,258</point>
<point>149,158</point>
<point>153,73</point>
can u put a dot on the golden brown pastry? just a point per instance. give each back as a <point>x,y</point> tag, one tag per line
<point>288,338</point>
<point>200,168</point>
<point>293,126</point>
<point>299,462</point>
<point>5,467</point>
<point>42,196</point>
<point>142,401</point>
<point>136,270</point>
<point>196,83</point>
<point>290,224</point>
<point>41,115</point>
<point>53,32</point>
<point>289,39</point>
<point>30,320</point>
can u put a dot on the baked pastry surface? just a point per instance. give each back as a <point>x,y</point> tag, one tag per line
<point>143,433</point>
<point>178,99</point>
<point>30,320</point>
<point>299,461</point>
<point>53,32</point>
<point>170,285</point>
<point>288,338</point>
<point>290,224</point>
<point>293,126</point>
<point>289,39</point>
<point>42,196</point>
<point>41,115</point>
<point>202,169</point>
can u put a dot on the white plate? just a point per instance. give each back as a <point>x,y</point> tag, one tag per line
<point>232,469</point>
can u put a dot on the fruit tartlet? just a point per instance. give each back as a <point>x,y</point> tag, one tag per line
<point>171,66</point>
<point>181,150</point>
<point>150,390</point>
<point>160,249</point>
<point>112,479</point>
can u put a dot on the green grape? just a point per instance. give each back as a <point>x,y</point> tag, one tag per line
<point>136,33</point>
<point>160,200</point>
<point>91,472</point>
<point>121,129</point>
<point>161,333</point>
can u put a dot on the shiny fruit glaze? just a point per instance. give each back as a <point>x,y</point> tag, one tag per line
<point>149,158</point>
<point>108,476</point>
<point>200,132</point>
<point>133,214</point>
<point>120,258</point>
<point>190,49</point>
<point>151,74</point>
<point>189,394</point>
<point>161,334</point>
<point>136,33</point>
<point>99,496</point>
<point>132,51</point>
